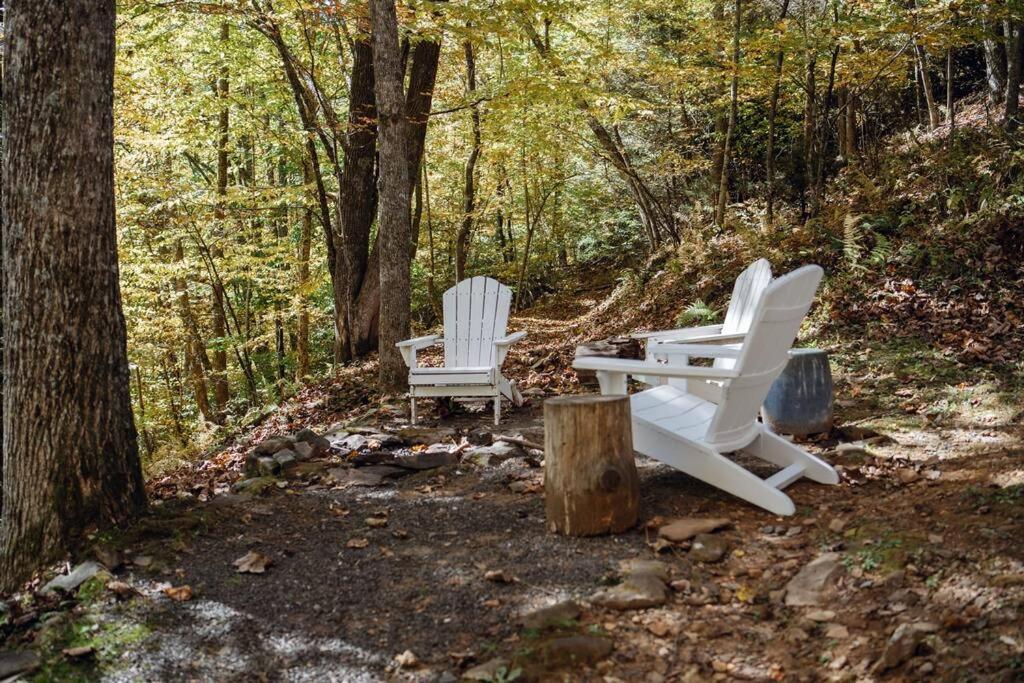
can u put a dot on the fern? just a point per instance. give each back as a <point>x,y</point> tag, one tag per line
<point>697,312</point>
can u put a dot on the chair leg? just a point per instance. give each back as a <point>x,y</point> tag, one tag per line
<point>412,409</point>
<point>497,409</point>
<point>712,468</point>
<point>778,451</point>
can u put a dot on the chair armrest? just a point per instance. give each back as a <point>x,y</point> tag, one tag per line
<point>419,342</point>
<point>697,350</point>
<point>501,346</point>
<point>640,367</point>
<point>701,339</point>
<point>683,333</point>
<point>510,339</point>
<point>409,347</point>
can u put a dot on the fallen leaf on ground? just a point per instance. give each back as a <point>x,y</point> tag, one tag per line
<point>179,593</point>
<point>498,576</point>
<point>252,563</point>
<point>122,590</point>
<point>407,659</point>
<point>357,543</point>
<point>78,652</point>
<point>376,522</point>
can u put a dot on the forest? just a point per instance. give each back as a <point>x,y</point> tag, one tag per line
<point>222,220</point>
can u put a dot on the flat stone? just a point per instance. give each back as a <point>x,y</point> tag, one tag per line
<point>266,466</point>
<point>253,484</point>
<point>480,437</point>
<point>638,591</point>
<point>708,548</point>
<point>496,453</point>
<point>14,662</point>
<point>579,650</point>
<point>552,615</point>
<point>426,460</point>
<point>78,576</point>
<point>417,436</point>
<point>837,632</point>
<point>286,459</point>
<point>375,475</point>
<point>837,525</point>
<point>640,566</point>
<point>317,443</point>
<point>903,644</point>
<point>273,445</point>
<point>488,671</point>
<point>815,582</point>
<point>679,530</point>
<point>353,442</point>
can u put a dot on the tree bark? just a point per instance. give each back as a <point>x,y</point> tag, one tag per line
<point>994,46</point>
<point>302,300</point>
<point>394,189</point>
<point>71,458</point>
<point>934,117</point>
<point>591,484</point>
<point>469,189</point>
<point>1014,46</point>
<point>196,358</point>
<point>773,112</point>
<point>723,181</point>
<point>221,389</point>
<point>810,116</point>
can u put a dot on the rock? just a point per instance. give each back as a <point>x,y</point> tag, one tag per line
<point>286,459</point>
<point>815,582</point>
<point>639,566</point>
<point>708,548</point>
<point>837,632</point>
<point>480,437</point>
<point>415,436</point>
<point>366,476</point>
<point>488,671</point>
<point>353,442</point>
<point>907,475</point>
<point>679,530</point>
<point>319,444</point>
<point>253,485</point>
<point>585,650</point>
<point>903,644</point>
<point>637,591</point>
<point>266,466</point>
<point>496,453</point>
<point>78,576</point>
<point>837,525</point>
<point>14,662</point>
<point>335,435</point>
<point>303,450</point>
<point>407,659</point>
<point>427,460</point>
<point>552,615</point>
<point>272,445</point>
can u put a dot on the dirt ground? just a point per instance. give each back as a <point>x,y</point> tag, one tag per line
<point>926,522</point>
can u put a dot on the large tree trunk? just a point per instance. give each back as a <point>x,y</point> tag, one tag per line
<point>995,59</point>
<point>469,189</point>
<point>394,189</point>
<point>70,454</point>
<point>418,100</point>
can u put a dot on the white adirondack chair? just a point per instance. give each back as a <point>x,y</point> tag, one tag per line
<point>475,315</point>
<point>746,294</point>
<point>692,434</point>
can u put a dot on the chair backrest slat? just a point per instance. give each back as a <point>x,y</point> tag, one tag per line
<point>746,294</point>
<point>773,329</point>
<point>475,314</point>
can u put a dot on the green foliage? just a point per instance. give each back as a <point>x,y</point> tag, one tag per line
<point>697,313</point>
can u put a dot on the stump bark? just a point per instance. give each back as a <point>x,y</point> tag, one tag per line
<point>591,485</point>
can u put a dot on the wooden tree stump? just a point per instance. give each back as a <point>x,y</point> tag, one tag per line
<point>590,482</point>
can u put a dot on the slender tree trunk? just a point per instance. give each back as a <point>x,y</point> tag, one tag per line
<point>469,190</point>
<point>1014,46</point>
<point>934,116</point>
<point>71,458</point>
<point>950,104</point>
<point>394,189</point>
<point>221,390</point>
<point>810,118</point>
<point>820,165</point>
<point>723,187</point>
<point>302,300</point>
<point>773,111</point>
<point>196,358</point>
